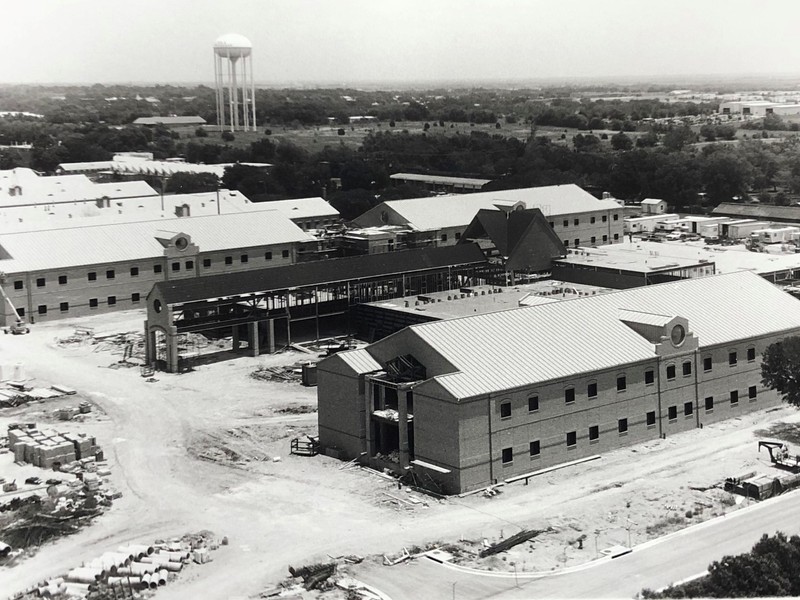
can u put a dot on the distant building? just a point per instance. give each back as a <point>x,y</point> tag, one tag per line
<point>465,403</point>
<point>440,183</point>
<point>654,206</point>
<point>577,217</point>
<point>758,108</point>
<point>142,164</point>
<point>170,121</point>
<point>362,119</point>
<point>769,212</point>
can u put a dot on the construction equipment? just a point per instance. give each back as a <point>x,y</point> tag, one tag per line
<point>779,454</point>
<point>18,327</point>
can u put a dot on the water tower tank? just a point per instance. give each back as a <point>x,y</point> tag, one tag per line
<point>232,45</point>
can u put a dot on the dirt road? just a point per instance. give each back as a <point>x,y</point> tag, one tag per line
<point>302,509</point>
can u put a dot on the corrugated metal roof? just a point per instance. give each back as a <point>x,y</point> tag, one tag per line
<point>319,272</point>
<point>359,360</point>
<point>759,211</point>
<point>100,244</point>
<point>439,179</point>
<point>528,346</point>
<point>299,208</point>
<point>648,201</point>
<point>458,210</point>
<point>196,120</point>
<point>645,318</point>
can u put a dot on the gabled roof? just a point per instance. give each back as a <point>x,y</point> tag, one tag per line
<point>533,345</point>
<point>652,201</point>
<point>523,238</point>
<point>318,272</point>
<point>790,214</point>
<point>443,179</point>
<point>427,214</point>
<point>170,121</point>
<point>103,244</point>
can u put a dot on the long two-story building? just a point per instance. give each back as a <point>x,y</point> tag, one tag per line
<point>469,402</point>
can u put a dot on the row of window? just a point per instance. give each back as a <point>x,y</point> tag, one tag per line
<point>443,237</point>
<point>622,424</point>
<point>93,303</point>
<point>157,268</point>
<point>577,241</point>
<point>576,222</point>
<point>622,382</point>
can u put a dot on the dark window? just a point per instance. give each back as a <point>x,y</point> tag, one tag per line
<point>605,238</point>
<point>566,222</point>
<point>670,371</point>
<point>443,237</point>
<point>687,368</point>
<point>622,425</point>
<point>176,266</point>
<point>157,269</point>
<point>508,456</point>
<point>458,235</point>
<point>40,282</point>
<point>268,255</point>
<point>92,276</point>
<point>569,395</point>
<point>616,217</point>
<point>572,439</point>
<point>552,225</point>
<point>92,302</point>
<point>535,448</point>
<point>110,274</point>
<point>189,265</point>
<point>622,383</point>
<point>228,260</point>
<point>577,242</point>
<point>709,404</point>
<point>672,413</point>
<point>594,239</point>
<point>135,297</point>
<point>735,397</point>
<point>42,309</point>
<point>592,220</point>
<point>651,419</point>
<point>591,390</point>
<point>18,285</point>
<point>244,258</point>
<point>206,263</point>
<point>594,433</point>
<point>732,359</point>
<point>576,222</point>
<point>649,376</point>
<point>505,410</point>
<point>616,236</point>
<point>112,300</point>
<point>62,280</point>
<point>707,362</point>
<point>533,403</point>
<point>605,218</point>
<point>64,306</point>
<point>134,271</point>
<point>285,254</point>
<point>21,312</point>
<point>752,392</point>
<point>688,409</point>
<point>751,354</point>
<point>566,243</point>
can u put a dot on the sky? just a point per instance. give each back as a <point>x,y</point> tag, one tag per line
<point>362,41</point>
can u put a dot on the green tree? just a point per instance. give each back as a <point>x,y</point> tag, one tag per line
<point>780,369</point>
<point>191,183</point>
<point>679,137</point>
<point>620,141</point>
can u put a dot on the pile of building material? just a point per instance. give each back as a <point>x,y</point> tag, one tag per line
<point>761,486</point>
<point>128,570</point>
<point>47,448</point>
<point>290,374</point>
<point>16,393</point>
<point>314,576</point>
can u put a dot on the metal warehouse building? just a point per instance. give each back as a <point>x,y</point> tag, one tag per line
<point>468,402</point>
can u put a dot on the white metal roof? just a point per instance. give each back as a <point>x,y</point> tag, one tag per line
<point>652,201</point>
<point>440,179</point>
<point>529,346</point>
<point>425,214</point>
<point>360,361</point>
<point>300,208</point>
<point>100,244</point>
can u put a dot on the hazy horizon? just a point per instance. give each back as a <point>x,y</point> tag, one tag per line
<point>360,42</point>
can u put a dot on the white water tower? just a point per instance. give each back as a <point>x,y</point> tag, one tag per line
<point>233,79</point>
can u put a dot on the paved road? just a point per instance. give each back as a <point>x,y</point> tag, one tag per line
<point>654,564</point>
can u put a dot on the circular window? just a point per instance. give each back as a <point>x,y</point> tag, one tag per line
<point>678,334</point>
<point>181,243</point>
<point>157,305</point>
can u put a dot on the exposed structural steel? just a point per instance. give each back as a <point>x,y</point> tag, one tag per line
<point>233,71</point>
<point>262,310</point>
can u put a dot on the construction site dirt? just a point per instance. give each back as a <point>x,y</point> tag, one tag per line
<point>210,449</point>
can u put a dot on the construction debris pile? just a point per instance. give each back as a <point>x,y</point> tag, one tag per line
<point>47,448</point>
<point>15,393</point>
<point>126,572</point>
